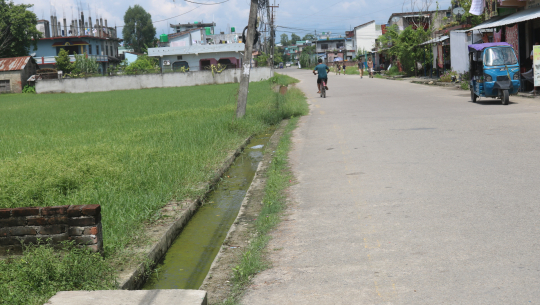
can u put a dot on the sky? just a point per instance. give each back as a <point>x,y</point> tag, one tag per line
<point>305,16</point>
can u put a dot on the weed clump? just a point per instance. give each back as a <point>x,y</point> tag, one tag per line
<point>41,271</point>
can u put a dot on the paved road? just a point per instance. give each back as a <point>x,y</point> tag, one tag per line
<point>408,194</point>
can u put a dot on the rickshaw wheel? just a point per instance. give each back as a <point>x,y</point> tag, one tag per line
<point>473,96</point>
<point>505,98</point>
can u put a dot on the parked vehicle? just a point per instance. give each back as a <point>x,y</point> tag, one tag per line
<point>494,71</point>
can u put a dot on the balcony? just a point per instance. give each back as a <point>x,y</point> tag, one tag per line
<point>43,60</point>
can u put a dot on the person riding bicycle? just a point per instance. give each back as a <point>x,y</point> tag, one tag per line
<point>322,69</point>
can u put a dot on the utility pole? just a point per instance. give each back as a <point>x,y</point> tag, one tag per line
<point>246,62</point>
<point>272,34</point>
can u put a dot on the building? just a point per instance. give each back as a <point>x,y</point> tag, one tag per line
<point>427,19</point>
<point>182,27</point>
<point>96,40</point>
<point>366,35</point>
<point>198,57</point>
<point>329,48</point>
<point>14,73</point>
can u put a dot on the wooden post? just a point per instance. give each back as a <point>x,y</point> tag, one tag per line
<point>246,62</point>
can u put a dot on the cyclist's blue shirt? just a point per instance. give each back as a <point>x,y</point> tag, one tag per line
<point>321,69</point>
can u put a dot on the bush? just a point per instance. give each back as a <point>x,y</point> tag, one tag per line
<point>465,85</point>
<point>41,271</point>
<point>144,64</point>
<point>84,66</point>
<point>29,89</point>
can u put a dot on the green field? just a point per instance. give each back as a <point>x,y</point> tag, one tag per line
<point>130,151</point>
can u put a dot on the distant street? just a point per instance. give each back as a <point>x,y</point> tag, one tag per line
<point>408,194</point>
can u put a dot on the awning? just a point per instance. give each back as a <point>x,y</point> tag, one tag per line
<point>70,43</point>
<point>436,40</point>
<point>521,16</point>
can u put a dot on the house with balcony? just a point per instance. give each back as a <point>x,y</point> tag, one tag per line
<point>98,41</point>
<point>329,48</point>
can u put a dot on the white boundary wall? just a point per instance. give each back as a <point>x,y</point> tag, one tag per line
<point>129,82</point>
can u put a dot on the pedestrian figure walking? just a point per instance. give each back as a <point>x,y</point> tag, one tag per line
<point>370,67</point>
<point>361,67</point>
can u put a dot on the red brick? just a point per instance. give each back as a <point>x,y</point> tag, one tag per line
<point>91,231</point>
<point>84,240</point>
<point>12,222</point>
<point>58,220</point>
<point>37,221</point>
<point>55,229</point>
<point>91,209</point>
<point>17,231</point>
<point>82,221</point>
<point>4,232</point>
<point>74,211</point>
<point>59,210</point>
<point>75,231</point>
<point>5,213</point>
<point>19,212</point>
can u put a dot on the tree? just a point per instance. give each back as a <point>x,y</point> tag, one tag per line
<point>405,45</point>
<point>309,37</point>
<point>294,38</point>
<point>62,61</point>
<point>17,29</point>
<point>285,40</point>
<point>138,28</point>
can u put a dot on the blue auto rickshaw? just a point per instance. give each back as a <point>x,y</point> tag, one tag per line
<point>494,71</point>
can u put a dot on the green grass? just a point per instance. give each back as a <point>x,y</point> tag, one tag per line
<point>353,71</point>
<point>130,151</point>
<point>274,201</point>
<point>283,80</point>
<point>41,271</point>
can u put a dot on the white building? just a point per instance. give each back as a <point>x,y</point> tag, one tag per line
<point>365,36</point>
<point>198,57</point>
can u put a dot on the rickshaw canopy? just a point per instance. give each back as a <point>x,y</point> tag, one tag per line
<point>482,46</point>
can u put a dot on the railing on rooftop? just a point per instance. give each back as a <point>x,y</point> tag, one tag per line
<point>43,60</point>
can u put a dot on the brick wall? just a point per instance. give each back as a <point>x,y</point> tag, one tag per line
<point>80,223</point>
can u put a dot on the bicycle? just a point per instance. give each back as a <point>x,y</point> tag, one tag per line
<point>323,87</point>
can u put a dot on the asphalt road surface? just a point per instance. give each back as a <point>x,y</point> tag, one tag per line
<point>408,194</point>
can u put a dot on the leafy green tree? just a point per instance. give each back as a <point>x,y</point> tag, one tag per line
<point>405,46</point>
<point>138,28</point>
<point>309,37</point>
<point>18,30</point>
<point>62,61</point>
<point>294,38</point>
<point>262,60</point>
<point>309,50</point>
<point>285,40</point>
<point>466,17</point>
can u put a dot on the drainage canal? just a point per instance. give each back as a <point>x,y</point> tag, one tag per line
<point>189,258</point>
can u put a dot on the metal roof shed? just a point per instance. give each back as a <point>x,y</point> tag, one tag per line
<point>14,73</point>
<point>521,16</point>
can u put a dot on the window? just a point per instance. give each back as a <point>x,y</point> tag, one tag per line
<point>106,50</point>
<point>179,57</point>
<point>499,57</point>
<point>90,49</point>
<point>324,46</point>
<point>339,45</point>
<point>4,86</point>
<point>180,65</point>
<point>112,54</point>
<point>97,50</point>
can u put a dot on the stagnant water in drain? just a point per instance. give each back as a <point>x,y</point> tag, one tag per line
<point>189,258</point>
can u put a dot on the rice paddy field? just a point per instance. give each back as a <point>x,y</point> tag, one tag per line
<point>129,151</point>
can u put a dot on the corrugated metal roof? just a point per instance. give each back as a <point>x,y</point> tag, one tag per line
<point>435,40</point>
<point>13,63</point>
<point>520,16</point>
